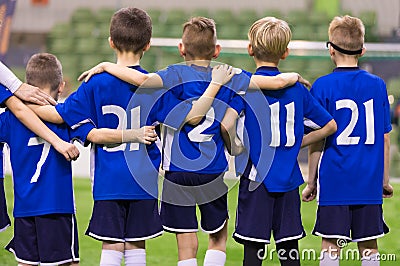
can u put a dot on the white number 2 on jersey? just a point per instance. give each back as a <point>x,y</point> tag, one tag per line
<point>196,135</point>
<point>45,152</point>
<point>344,137</point>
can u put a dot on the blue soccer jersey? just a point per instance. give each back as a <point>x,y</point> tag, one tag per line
<point>351,167</point>
<point>274,134</point>
<point>42,176</point>
<point>200,148</point>
<point>124,171</point>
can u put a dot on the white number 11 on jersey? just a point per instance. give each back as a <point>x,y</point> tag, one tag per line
<point>45,152</point>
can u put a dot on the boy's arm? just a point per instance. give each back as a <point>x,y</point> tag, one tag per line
<point>228,132</point>
<point>127,74</point>
<point>31,121</point>
<point>277,82</point>
<point>319,134</point>
<point>387,188</point>
<point>221,74</point>
<point>314,153</point>
<point>145,135</point>
<point>22,90</point>
<point>47,113</point>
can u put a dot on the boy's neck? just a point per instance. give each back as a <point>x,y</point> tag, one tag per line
<point>198,62</point>
<point>345,61</point>
<point>264,63</point>
<point>128,59</point>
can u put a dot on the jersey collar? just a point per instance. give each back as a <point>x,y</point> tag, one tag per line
<point>266,69</point>
<point>344,69</point>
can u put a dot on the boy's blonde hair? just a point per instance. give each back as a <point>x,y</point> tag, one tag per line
<point>44,70</point>
<point>347,32</point>
<point>269,38</point>
<point>199,38</point>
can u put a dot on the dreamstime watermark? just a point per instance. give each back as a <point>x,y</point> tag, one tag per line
<point>333,253</point>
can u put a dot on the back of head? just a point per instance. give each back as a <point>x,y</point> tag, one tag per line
<point>44,70</point>
<point>199,38</point>
<point>347,32</point>
<point>269,38</point>
<point>130,29</point>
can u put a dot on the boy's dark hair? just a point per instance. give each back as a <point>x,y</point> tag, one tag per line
<point>199,38</point>
<point>44,69</point>
<point>130,29</point>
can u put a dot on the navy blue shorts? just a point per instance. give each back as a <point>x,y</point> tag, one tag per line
<point>352,222</point>
<point>51,239</point>
<point>125,220</point>
<point>182,191</point>
<point>259,212</point>
<point>4,218</point>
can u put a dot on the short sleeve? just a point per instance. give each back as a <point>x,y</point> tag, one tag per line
<point>237,103</point>
<point>80,133</point>
<point>170,110</point>
<point>4,95</point>
<point>315,115</point>
<point>386,109</point>
<point>239,83</point>
<point>5,127</point>
<point>77,108</point>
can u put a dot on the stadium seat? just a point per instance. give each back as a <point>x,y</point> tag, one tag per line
<point>86,45</point>
<point>82,15</point>
<point>272,13</point>
<point>229,31</point>
<point>200,13</point>
<point>175,17</point>
<point>247,17</point>
<point>303,32</point>
<point>58,45</point>
<point>298,17</point>
<point>60,30</point>
<point>223,17</point>
<point>104,15</point>
<point>84,29</point>
<point>155,15</point>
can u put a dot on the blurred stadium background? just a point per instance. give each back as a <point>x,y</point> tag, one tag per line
<point>77,31</point>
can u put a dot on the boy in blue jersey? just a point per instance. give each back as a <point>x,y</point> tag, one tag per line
<point>269,198</point>
<point>43,192</point>
<point>194,157</point>
<point>352,166</point>
<point>125,210</point>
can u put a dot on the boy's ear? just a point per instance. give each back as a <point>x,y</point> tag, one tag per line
<point>111,43</point>
<point>61,87</point>
<point>147,47</point>
<point>217,50</point>
<point>363,51</point>
<point>250,50</point>
<point>181,49</point>
<point>285,54</point>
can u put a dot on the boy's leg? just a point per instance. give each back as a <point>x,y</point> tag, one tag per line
<point>187,245</point>
<point>329,252</point>
<point>254,253</point>
<point>135,253</point>
<point>291,250</point>
<point>216,253</point>
<point>369,252</point>
<point>111,253</point>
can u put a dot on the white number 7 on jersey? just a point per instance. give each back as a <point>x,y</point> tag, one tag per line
<point>45,152</point>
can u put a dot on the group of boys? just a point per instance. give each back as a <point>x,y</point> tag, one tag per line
<point>202,110</point>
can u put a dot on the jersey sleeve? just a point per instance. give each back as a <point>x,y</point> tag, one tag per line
<point>78,108</point>
<point>170,110</point>
<point>8,78</point>
<point>237,103</point>
<point>240,82</point>
<point>4,95</point>
<point>315,115</point>
<point>80,133</point>
<point>5,127</point>
<point>386,109</point>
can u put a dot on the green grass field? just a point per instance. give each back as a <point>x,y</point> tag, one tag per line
<point>162,250</point>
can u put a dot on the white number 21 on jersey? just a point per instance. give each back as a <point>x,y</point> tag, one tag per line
<point>45,152</point>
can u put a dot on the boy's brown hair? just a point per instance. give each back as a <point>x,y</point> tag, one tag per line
<point>43,70</point>
<point>199,38</point>
<point>269,38</point>
<point>130,29</point>
<point>347,32</point>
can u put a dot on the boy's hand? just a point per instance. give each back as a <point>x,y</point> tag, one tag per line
<point>70,151</point>
<point>387,191</point>
<point>32,94</point>
<point>146,135</point>
<point>93,71</point>
<point>221,74</point>
<point>309,193</point>
<point>304,81</point>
